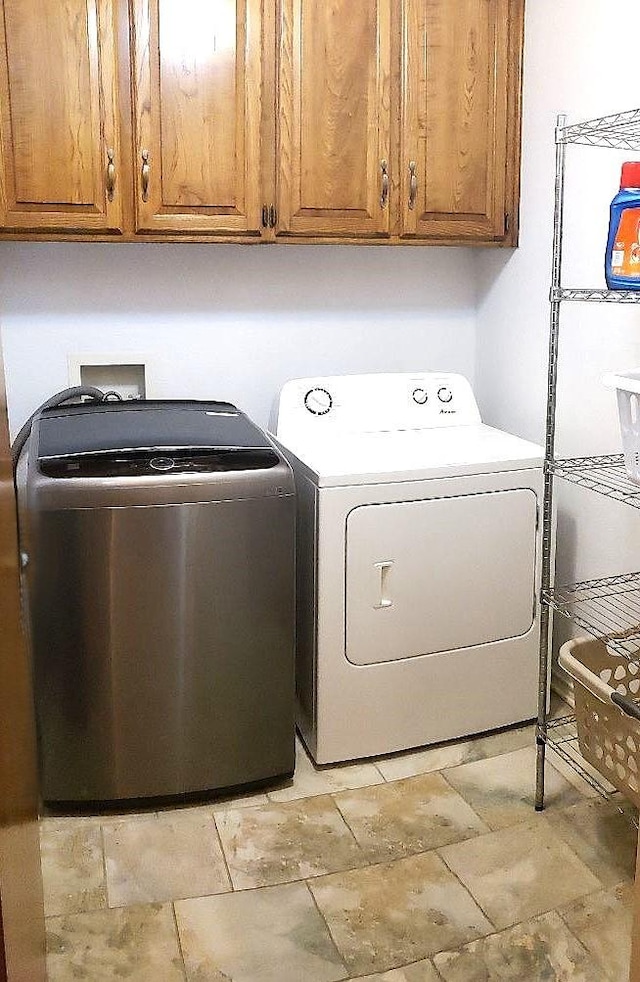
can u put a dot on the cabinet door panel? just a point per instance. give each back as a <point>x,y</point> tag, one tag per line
<point>334,68</point>
<point>58,118</point>
<point>454,121</point>
<point>197,104</point>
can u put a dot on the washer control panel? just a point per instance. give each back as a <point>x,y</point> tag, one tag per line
<point>329,405</point>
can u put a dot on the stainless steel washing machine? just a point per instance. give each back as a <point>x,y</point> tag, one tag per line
<point>159,542</point>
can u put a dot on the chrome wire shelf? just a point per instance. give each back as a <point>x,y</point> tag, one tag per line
<point>562,738</point>
<point>605,608</point>
<point>605,475</point>
<point>620,131</point>
<point>596,295</point>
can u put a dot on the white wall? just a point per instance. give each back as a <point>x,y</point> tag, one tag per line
<point>580,59</point>
<point>231,322</point>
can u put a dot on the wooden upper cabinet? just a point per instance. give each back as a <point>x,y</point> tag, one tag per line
<point>459,95</point>
<point>59,141</point>
<point>334,67</point>
<point>336,120</point>
<point>197,99</point>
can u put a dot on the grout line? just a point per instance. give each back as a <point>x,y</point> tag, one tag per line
<point>329,931</point>
<point>179,939</point>
<point>375,766</point>
<point>482,820</point>
<point>464,886</point>
<point>346,822</point>
<point>104,868</point>
<point>224,855</point>
<point>590,955</point>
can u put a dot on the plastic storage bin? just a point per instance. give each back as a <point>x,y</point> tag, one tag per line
<point>627,386</point>
<point>606,687</point>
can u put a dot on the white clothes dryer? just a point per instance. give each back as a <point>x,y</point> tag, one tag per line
<point>418,563</point>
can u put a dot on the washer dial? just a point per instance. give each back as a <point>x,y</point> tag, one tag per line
<point>318,401</point>
<point>445,394</point>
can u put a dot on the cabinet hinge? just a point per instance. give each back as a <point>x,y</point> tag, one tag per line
<point>507,222</point>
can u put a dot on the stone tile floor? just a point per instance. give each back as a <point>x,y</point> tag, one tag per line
<point>429,866</point>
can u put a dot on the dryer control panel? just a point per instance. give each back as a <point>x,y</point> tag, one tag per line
<point>373,403</point>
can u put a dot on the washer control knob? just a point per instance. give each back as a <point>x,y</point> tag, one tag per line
<point>420,396</point>
<point>318,401</point>
<point>445,394</point>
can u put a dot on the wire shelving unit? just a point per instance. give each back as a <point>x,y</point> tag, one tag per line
<point>606,608</point>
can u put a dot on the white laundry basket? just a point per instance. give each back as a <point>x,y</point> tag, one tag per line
<point>627,386</point>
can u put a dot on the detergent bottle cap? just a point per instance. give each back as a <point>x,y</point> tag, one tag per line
<point>630,177</point>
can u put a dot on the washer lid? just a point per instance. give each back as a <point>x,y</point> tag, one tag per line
<point>411,455</point>
<point>114,427</point>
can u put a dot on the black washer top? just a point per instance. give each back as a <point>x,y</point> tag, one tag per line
<point>145,424</point>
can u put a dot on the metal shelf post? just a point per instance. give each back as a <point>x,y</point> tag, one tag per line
<point>550,430</point>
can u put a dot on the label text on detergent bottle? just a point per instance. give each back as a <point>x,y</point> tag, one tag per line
<point>625,256</point>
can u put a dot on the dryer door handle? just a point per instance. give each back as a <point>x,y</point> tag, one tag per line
<point>383,599</point>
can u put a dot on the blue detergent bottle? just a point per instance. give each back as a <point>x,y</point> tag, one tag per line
<point>622,261</point>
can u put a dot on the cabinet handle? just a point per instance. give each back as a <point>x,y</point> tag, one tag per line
<point>145,175</point>
<point>413,185</point>
<point>273,216</point>
<point>384,185</point>
<point>111,174</point>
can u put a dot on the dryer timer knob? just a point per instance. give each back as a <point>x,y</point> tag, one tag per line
<point>318,401</point>
<point>420,396</point>
<point>445,394</point>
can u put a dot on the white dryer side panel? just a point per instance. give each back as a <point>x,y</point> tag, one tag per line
<point>439,574</point>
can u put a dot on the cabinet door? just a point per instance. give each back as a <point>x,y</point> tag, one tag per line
<point>197,107</point>
<point>455,109</point>
<point>333,117</point>
<point>59,143</point>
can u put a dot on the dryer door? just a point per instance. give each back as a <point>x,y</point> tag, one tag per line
<point>439,574</point>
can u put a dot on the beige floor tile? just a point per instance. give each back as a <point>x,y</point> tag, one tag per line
<point>540,949</point>
<point>387,916</point>
<point>602,922</point>
<point>310,780</point>
<point>502,789</point>
<point>404,817</point>
<point>422,971</point>
<point>270,935</point>
<point>138,944</point>
<point>175,855</point>
<point>101,820</point>
<point>249,800</point>
<point>456,752</point>
<point>519,872</point>
<point>601,834</point>
<point>72,866</point>
<point>286,841</point>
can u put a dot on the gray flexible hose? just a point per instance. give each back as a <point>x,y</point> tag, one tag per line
<point>57,400</point>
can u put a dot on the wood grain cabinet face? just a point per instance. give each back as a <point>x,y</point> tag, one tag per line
<point>456,76</point>
<point>197,114</point>
<point>333,117</point>
<point>58,116</point>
